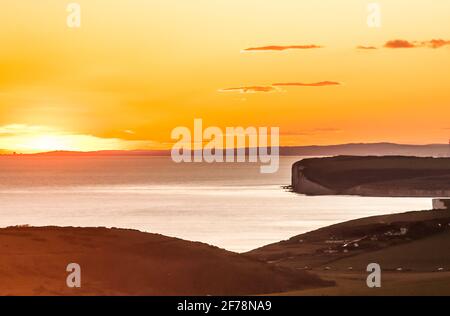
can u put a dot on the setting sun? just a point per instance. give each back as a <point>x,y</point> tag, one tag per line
<point>32,139</point>
<point>47,143</point>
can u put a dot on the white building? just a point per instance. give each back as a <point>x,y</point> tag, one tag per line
<point>441,204</point>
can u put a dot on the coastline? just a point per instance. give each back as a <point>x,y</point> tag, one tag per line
<point>372,176</point>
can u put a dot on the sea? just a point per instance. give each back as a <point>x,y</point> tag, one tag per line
<point>229,205</point>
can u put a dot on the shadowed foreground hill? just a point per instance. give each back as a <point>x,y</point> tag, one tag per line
<point>128,262</point>
<point>411,248</point>
<point>373,176</point>
<point>418,241</point>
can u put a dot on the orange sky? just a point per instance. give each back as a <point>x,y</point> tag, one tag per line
<point>136,69</point>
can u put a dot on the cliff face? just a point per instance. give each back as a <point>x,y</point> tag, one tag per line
<point>301,183</point>
<point>394,176</point>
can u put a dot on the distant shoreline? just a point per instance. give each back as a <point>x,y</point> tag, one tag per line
<point>358,149</point>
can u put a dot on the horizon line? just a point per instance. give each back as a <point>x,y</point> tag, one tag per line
<point>166,152</point>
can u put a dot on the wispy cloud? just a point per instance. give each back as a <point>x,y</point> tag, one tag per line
<point>434,43</point>
<point>23,129</point>
<point>281,48</point>
<point>250,89</point>
<point>363,47</point>
<point>301,84</point>
<point>273,87</point>
<point>310,132</point>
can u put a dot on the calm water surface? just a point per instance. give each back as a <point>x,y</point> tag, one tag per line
<point>232,206</point>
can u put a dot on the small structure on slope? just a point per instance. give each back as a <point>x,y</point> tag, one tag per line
<point>441,204</point>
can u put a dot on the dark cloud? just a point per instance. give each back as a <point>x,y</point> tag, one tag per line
<point>434,43</point>
<point>399,44</point>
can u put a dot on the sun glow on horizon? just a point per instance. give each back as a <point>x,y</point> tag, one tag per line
<point>46,143</point>
<point>33,139</point>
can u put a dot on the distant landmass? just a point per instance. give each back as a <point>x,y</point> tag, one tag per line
<point>369,149</point>
<point>354,149</point>
<point>393,176</point>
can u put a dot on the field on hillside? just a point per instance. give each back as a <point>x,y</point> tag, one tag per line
<point>392,284</point>
<point>411,248</point>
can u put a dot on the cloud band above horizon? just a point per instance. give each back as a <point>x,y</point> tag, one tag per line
<point>434,43</point>
<point>281,48</point>
<point>273,87</point>
<point>314,84</point>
